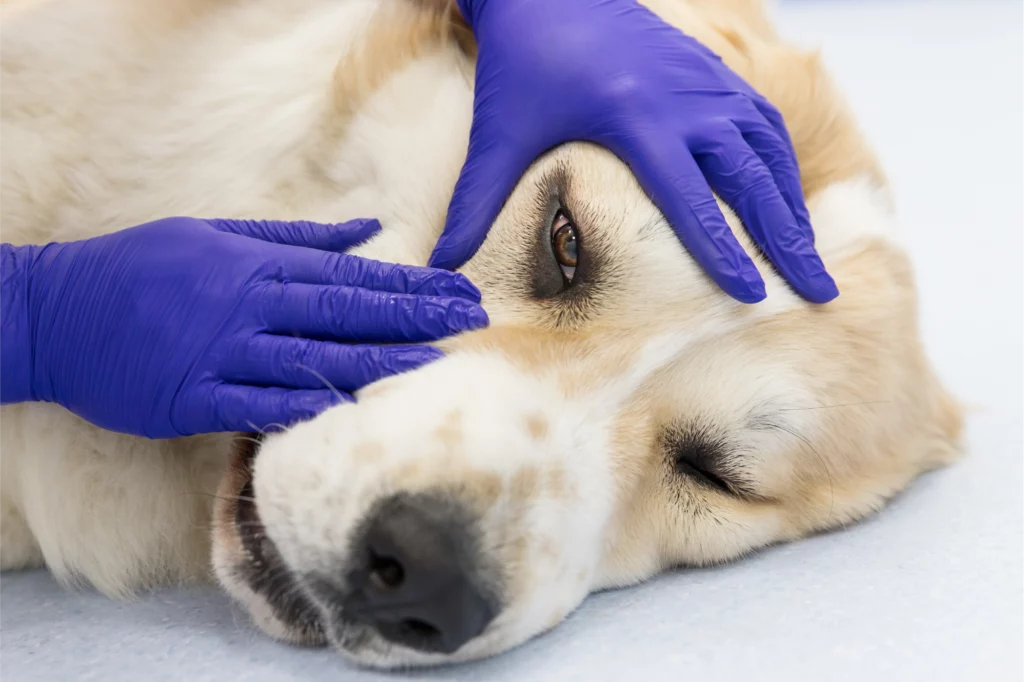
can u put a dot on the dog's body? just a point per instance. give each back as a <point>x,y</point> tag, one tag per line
<point>615,420</point>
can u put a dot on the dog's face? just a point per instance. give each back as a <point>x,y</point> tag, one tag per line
<point>620,416</point>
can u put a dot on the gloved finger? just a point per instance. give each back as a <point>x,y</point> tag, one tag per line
<point>364,316</point>
<point>741,178</point>
<point>671,175</point>
<point>816,284</point>
<point>338,237</point>
<point>352,271</point>
<point>288,362</point>
<point>251,408</point>
<point>493,167</point>
<point>770,140</point>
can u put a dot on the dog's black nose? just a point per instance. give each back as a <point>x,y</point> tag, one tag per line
<point>418,582</point>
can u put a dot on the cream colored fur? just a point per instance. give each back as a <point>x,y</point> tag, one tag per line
<point>551,424</point>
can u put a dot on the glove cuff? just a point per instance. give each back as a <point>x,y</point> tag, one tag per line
<point>16,351</point>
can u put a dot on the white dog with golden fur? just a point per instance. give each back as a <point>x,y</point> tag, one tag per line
<point>619,417</point>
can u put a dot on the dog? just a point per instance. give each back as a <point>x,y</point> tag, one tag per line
<point>621,416</point>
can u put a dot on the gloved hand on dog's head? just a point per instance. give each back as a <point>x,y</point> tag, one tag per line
<point>612,72</point>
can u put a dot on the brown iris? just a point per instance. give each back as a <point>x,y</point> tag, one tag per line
<point>564,245</point>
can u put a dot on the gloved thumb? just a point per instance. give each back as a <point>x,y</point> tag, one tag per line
<point>338,237</point>
<point>493,167</point>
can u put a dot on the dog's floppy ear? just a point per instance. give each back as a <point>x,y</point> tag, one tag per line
<point>399,33</point>
<point>461,33</point>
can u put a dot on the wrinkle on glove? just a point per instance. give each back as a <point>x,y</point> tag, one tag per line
<point>185,326</point>
<point>613,73</point>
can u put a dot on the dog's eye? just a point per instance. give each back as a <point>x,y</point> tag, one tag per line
<point>703,475</point>
<point>697,454</point>
<point>564,245</point>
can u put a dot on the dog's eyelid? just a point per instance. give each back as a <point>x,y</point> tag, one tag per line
<point>704,475</point>
<point>738,479</point>
<point>565,201</point>
<point>560,219</point>
<point>731,481</point>
<point>699,452</point>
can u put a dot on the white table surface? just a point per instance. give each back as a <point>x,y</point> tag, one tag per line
<point>931,589</point>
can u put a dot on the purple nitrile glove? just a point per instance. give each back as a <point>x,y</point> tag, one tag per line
<point>185,326</point>
<point>613,73</point>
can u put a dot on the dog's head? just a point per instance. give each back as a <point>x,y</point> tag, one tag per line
<point>619,417</point>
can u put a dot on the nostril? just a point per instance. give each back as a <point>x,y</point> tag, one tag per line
<point>416,634</point>
<point>386,573</point>
<point>420,629</point>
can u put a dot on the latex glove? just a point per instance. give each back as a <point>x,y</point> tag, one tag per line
<point>183,326</point>
<point>612,72</point>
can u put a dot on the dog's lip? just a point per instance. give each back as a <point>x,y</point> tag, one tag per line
<point>352,637</point>
<point>263,568</point>
<point>246,507</point>
<point>247,516</point>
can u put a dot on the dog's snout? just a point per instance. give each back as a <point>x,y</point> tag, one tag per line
<point>418,584</point>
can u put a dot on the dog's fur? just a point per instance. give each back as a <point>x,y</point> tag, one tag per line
<point>573,429</point>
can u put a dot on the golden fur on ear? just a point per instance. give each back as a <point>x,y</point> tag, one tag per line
<point>399,33</point>
<point>828,142</point>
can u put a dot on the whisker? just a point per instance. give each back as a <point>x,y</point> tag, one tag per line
<point>322,378</point>
<point>830,407</point>
<point>264,430</point>
<point>255,428</point>
<point>821,461</point>
<point>236,498</point>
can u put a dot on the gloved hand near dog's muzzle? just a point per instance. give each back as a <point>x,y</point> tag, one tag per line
<point>611,72</point>
<point>185,326</point>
